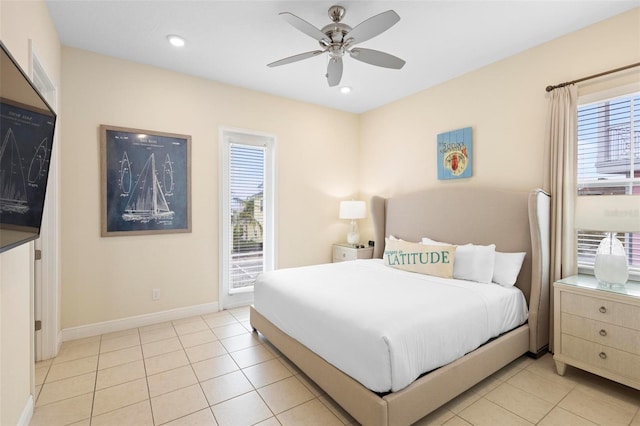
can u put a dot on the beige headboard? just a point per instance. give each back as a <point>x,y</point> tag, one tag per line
<point>514,221</point>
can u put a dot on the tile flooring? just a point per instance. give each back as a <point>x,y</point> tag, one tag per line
<point>211,370</point>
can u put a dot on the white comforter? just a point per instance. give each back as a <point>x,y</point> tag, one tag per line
<point>382,326</point>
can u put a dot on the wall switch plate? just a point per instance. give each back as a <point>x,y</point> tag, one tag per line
<point>155,294</point>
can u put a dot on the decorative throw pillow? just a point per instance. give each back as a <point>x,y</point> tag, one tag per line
<point>507,268</point>
<point>473,262</point>
<point>437,260</point>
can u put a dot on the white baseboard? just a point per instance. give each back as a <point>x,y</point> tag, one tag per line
<point>99,328</point>
<point>27,413</point>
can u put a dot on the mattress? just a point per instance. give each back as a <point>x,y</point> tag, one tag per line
<point>382,326</point>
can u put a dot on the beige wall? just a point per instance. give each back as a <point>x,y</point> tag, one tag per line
<point>21,21</point>
<point>506,105</point>
<point>111,278</point>
<point>16,337</point>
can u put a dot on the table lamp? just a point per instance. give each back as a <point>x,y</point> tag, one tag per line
<point>609,214</point>
<point>353,210</point>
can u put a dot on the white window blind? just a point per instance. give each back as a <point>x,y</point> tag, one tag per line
<point>609,163</point>
<point>246,210</point>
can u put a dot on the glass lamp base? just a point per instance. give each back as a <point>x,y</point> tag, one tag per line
<point>353,236</point>
<point>611,267</point>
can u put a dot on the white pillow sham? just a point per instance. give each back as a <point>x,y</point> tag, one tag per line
<point>472,262</point>
<point>507,268</point>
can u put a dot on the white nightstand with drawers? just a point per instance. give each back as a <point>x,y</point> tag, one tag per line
<point>342,252</point>
<point>597,329</point>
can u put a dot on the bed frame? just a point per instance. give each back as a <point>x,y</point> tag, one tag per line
<point>514,221</point>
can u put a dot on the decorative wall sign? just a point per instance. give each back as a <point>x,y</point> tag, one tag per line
<point>146,186</point>
<point>454,154</point>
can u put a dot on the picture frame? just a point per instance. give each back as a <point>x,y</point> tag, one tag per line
<point>145,182</point>
<point>454,156</point>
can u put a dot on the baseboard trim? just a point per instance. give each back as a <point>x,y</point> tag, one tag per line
<point>27,412</point>
<point>99,328</point>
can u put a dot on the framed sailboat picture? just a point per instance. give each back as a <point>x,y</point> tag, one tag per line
<point>146,187</point>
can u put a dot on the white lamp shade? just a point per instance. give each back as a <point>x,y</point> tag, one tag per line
<point>352,210</point>
<point>609,213</point>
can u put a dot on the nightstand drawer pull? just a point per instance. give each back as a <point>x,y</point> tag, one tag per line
<point>603,355</point>
<point>603,332</point>
<point>603,309</point>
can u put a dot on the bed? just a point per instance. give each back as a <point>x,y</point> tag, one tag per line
<point>515,221</point>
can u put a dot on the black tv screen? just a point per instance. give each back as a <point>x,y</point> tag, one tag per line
<point>27,125</point>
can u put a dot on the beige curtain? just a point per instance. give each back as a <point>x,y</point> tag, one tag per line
<point>560,183</point>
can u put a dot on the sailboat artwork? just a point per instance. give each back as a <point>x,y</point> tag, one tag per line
<point>13,188</point>
<point>147,201</point>
<point>39,163</point>
<point>26,141</point>
<point>125,175</point>
<point>146,184</point>
<point>169,183</point>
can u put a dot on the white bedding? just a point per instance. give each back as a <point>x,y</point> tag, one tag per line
<point>382,326</point>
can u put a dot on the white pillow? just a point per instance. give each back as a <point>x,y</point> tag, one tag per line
<point>507,267</point>
<point>472,262</point>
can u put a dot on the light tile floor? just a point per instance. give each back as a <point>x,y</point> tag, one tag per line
<point>211,370</point>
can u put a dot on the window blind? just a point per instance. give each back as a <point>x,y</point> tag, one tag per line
<point>246,195</point>
<point>608,152</point>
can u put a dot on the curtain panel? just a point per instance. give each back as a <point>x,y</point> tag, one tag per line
<point>560,182</point>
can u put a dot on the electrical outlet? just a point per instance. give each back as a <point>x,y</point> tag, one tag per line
<point>155,294</point>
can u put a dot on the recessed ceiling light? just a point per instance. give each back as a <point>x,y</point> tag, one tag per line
<point>175,40</point>
<point>345,89</point>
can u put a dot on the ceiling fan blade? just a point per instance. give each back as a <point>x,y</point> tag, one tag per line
<point>375,57</point>
<point>295,58</point>
<point>373,26</point>
<point>334,71</point>
<point>304,26</point>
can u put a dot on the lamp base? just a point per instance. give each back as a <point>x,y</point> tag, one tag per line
<point>353,236</point>
<point>611,267</point>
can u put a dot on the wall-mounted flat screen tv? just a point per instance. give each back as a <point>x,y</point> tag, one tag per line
<point>27,124</point>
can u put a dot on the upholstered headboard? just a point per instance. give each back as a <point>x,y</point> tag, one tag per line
<point>515,221</point>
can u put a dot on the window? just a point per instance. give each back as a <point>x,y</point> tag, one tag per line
<point>609,163</point>
<point>247,216</point>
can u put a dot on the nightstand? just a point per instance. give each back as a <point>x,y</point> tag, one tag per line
<point>597,329</point>
<point>342,252</point>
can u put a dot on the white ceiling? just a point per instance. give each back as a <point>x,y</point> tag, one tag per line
<point>232,41</point>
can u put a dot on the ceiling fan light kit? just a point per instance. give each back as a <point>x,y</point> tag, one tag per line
<point>337,38</point>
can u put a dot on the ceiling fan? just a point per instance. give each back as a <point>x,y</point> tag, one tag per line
<point>338,38</point>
